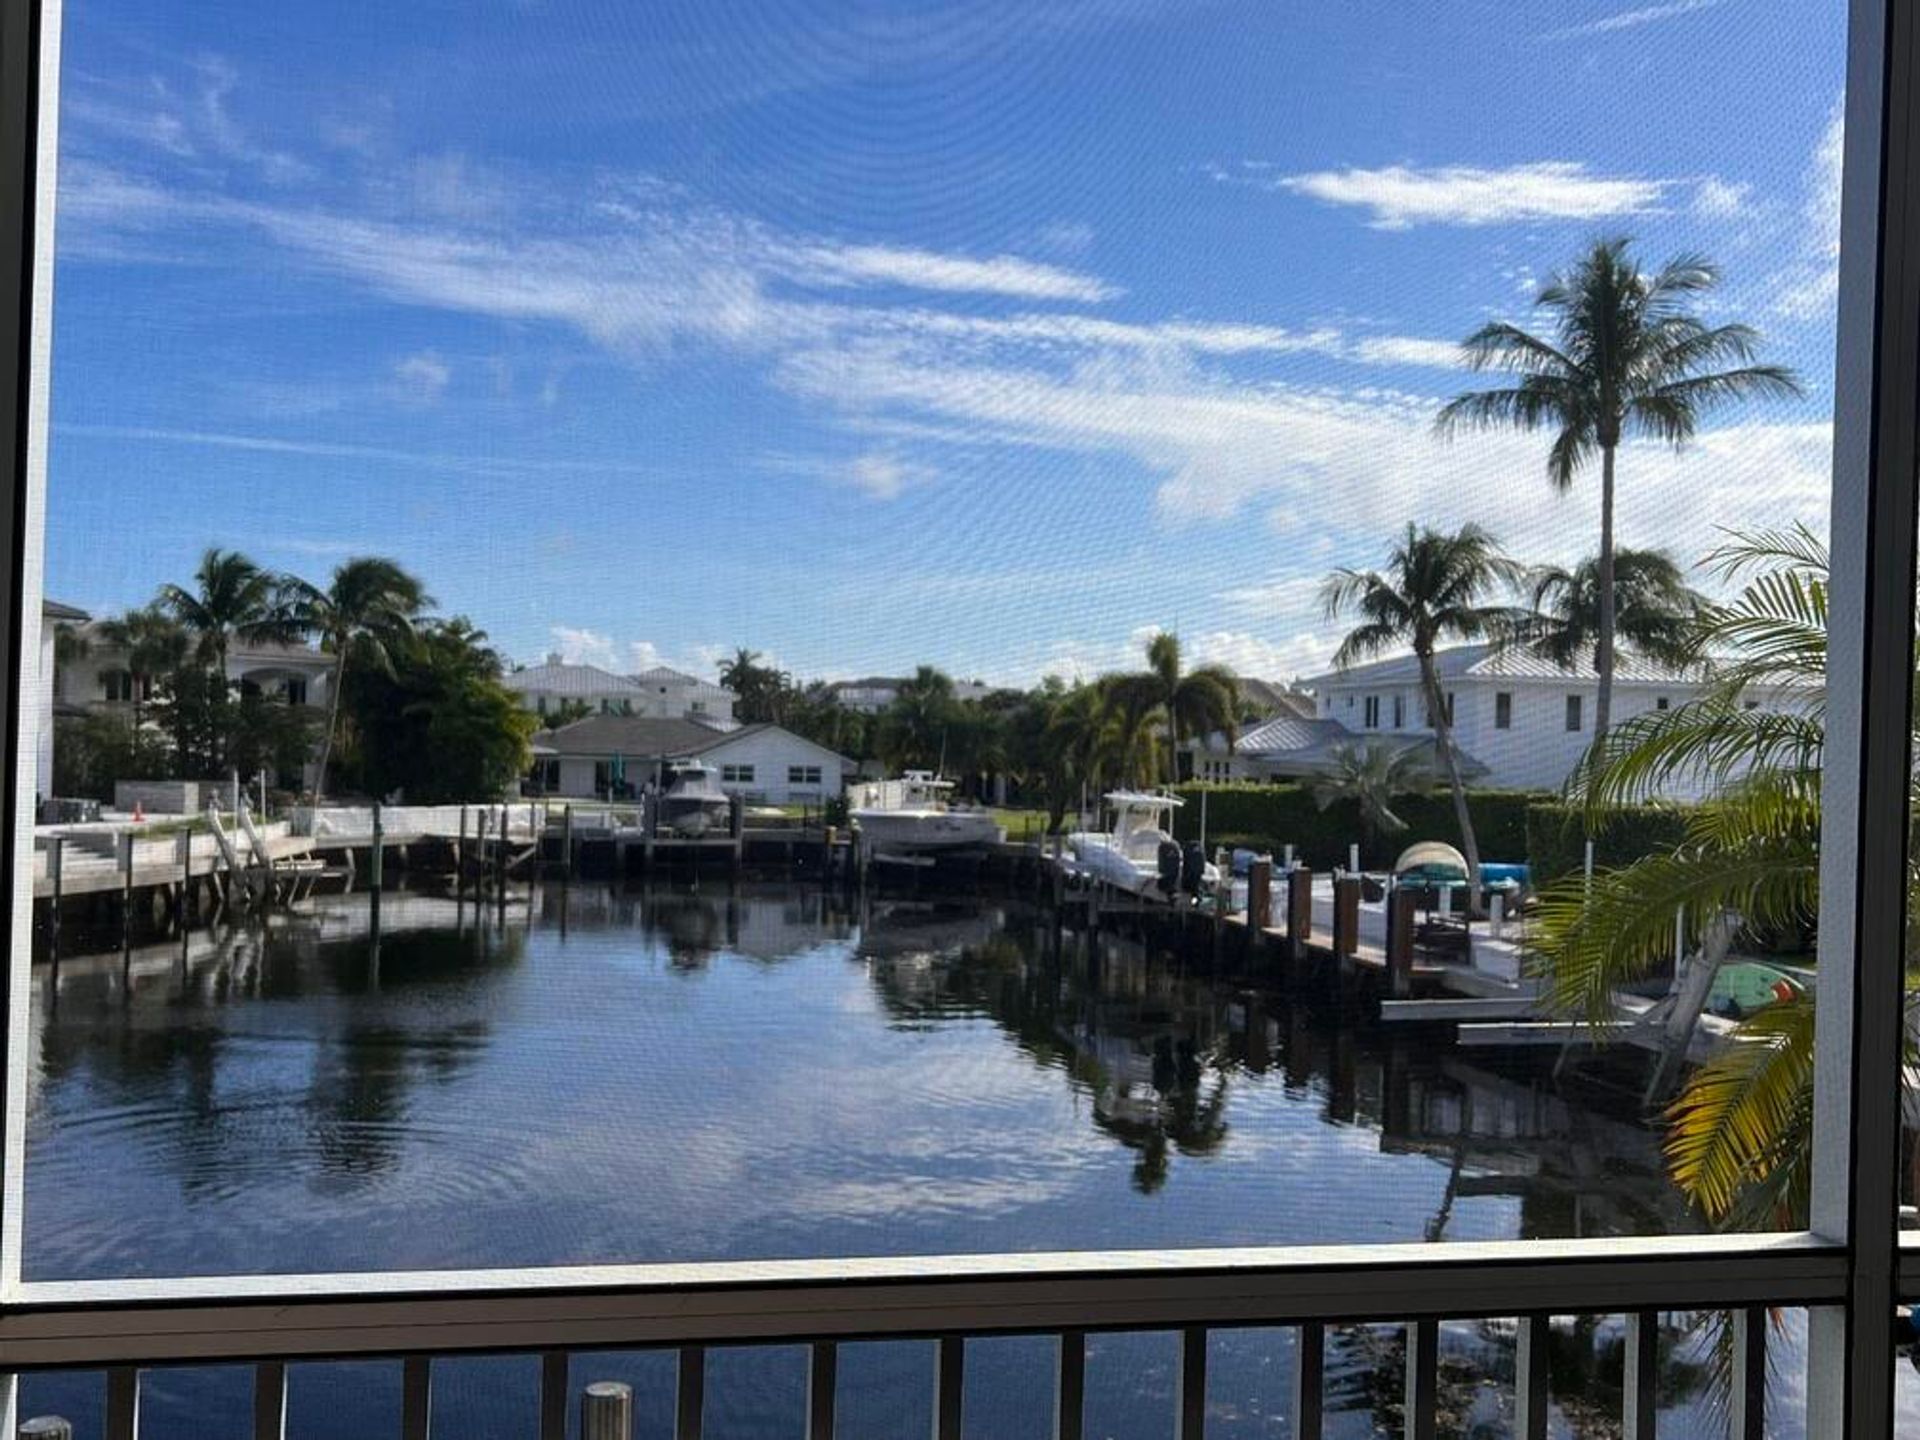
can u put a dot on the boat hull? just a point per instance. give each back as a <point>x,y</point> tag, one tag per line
<point>923,832</point>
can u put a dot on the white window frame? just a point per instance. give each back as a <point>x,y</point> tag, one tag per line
<point>1849,1266</point>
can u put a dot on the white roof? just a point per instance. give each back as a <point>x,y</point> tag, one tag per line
<point>581,680</point>
<point>662,676</point>
<point>1503,663</point>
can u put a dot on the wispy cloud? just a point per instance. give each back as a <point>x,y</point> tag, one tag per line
<point>1632,19</point>
<point>1398,197</point>
<point>1809,287</point>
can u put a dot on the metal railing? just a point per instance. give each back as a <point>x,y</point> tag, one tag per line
<point>606,1408</point>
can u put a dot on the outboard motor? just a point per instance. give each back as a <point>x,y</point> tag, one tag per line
<point>1193,868</point>
<point>1168,859</point>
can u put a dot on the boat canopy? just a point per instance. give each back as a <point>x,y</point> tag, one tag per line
<point>1143,800</point>
<point>1432,859</point>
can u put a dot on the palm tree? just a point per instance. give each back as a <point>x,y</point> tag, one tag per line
<point>1625,357</point>
<point>1655,610</point>
<point>913,729</point>
<point>1371,775</point>
<point>232,598</point>
<point>154,642</point>
<point>367,611</point>
<point>1738,1138</point>
<point>1202,701</point>
<point>1432,591</point>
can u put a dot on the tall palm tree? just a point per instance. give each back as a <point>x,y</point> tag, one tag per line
<point>913,729</point>
<point>1625,357</point>
<point>1655,610</point>
<point>365,614</point>
<point>232,598</point>
<point>1432,591</point>
<point>1201,701</point>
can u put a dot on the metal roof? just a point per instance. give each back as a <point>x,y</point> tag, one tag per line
<point>580,680</point>
<point>1504,663</point>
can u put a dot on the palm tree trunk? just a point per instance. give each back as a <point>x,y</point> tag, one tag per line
<point>1603,648</point>
<point>333,721</point>
<point>1443,742</point>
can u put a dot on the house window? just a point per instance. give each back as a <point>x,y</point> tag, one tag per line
<point>803,774</point>
<point>118,685</point>
<point>1372,713</point>
<point>698,707</point>
<point>1660,703</point>
<point>1573,713</point>
<point>296,691</point>
<point>736,774</point>
<point>1399,711</point>
<point>540,704</point>
<point>1503,710</point>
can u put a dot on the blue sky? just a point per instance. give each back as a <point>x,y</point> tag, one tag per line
<point>866,334</point>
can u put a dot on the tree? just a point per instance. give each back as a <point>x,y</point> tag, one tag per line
<point>232,598</point>
<point>914,728</point>
<point>763,693</point>
<point>155,642</point>
<point>1432,591</point>
<point>1625,357</point>
<point>1203,701</point>
<point>363,616</point>
<point>1371,775</point>
<point>438,723</point>
<point>1655,610</point>
<point>1738,1140</point>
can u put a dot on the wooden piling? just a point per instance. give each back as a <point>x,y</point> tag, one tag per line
<point>56,853</point>
<point>1259,896</point>
<point>126,883</point>
<point>1299,908</point>
<point>377,859</point>
<point>606,1411</point>
<point>566,842</point>
<point>1402,903</point>
<point>1346,915</point>
<point>185,847</point>
<point>460,855</point>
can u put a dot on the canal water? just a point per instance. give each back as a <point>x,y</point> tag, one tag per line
<point>760,1070</point>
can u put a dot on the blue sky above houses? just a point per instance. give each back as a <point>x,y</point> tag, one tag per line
<point>868,334</point>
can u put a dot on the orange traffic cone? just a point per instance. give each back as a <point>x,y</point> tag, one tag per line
<point>139,813</point>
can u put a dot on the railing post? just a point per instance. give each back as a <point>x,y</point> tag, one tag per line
<point>606,1411</point>
<point>416,1398</point>
<point>823,1381</point>
<point>1191,1403</point>
<point>1423,1379</point>
<point>1309,1381</point>
<point>270,1400</point>
<point>123,1404</point>
<point>1642,1372</point>
<point>1070,1387</point>
<point>690,1394</point>
<point>1532,1379</point>
<point>554,1378</point>
<point>949,1384</point>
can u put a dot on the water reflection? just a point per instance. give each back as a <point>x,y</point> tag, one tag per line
<point>675,1071</point>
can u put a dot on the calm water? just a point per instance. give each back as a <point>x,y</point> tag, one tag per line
<point>678,1073</point>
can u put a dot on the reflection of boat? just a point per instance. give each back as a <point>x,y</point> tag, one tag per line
<point>1139,852</point>
<point>912,816</point>
<point>694,805</point>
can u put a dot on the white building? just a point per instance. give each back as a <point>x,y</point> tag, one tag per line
<point>54,617</point>
<point>621,754</point>
<point>673,695</point>
<point>555,685</point>
<point>874,693</point>
<point>1519,720</point>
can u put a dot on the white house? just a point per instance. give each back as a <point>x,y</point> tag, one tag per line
<point>874,693</point>
<point>673,695</point>
<point>1520,721</point>
<point>97,677</point>
<point>54,617</point>
<point>621,754</point>
<point>555,684</point>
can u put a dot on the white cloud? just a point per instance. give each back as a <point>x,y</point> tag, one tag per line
<point>1721,199</point>
<point>422,378</point>
<point>585,647</point>
<point>883,475</point>
<point>1809,288</point>
<point>1632,19</point>
<point>1402,196</point>
<point>926,270</point>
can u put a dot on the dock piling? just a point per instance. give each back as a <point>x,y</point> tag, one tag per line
<point>606,1411</point>
<point>377,860</point>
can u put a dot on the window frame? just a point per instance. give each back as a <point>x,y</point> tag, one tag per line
<point>1849,1266</point>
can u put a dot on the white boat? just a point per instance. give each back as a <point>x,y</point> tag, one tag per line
<point>1127,856</point>
<point>693,805</point>
<point>913,816</point>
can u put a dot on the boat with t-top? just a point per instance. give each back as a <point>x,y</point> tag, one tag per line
<point>915,815</point>
<point>693,805</point>
<point>1138,853</point>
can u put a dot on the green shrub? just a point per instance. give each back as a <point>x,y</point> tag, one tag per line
<point>1556,837</point>
<point>1273,816</point>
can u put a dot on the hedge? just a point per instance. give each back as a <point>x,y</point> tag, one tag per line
<point>1556,837</point>
<point>1272,816</point>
